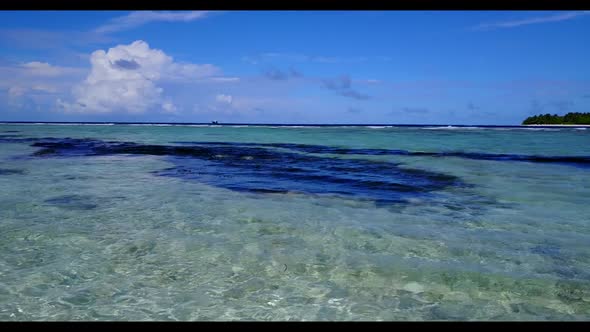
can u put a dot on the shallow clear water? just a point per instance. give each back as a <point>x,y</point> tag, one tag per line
<point>350,224</point>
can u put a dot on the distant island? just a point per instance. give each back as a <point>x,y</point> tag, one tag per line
<point>568,119</point>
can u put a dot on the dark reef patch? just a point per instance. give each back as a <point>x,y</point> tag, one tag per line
<point>262,170</point>
<point>73,202</point>
<point>547,250</point>
<point>8,171</point>
<point>571,160</point>
<point>288,168</point>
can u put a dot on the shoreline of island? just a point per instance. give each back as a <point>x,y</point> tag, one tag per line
<point>557,125</point>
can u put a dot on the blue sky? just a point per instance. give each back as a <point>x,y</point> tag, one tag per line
<point>404,67</point>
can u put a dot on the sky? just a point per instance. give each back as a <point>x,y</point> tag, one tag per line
<point>331,67</point>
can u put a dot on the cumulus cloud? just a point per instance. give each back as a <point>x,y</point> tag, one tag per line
<point>224,99</point>
<point>139,18</point>
<point>125,79</point>
<point>127,64</point>
<point>343,86</point>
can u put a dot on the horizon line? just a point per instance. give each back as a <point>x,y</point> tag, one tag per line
<point>277,124</point>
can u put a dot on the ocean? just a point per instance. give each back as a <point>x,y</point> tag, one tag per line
<point>269,222</point>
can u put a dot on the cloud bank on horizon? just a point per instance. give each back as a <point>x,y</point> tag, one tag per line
<point>209,66</point>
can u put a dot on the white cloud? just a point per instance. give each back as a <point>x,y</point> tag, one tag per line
<point>224,99</point>
<point>168,107</point>
<point>139,18</point>
<point>177,72</point>
<point>44,88</point>
<point>29,96</point>
<point>37,82</point>
<point>36,68</point>
<point>225,79</point>
<point>533,20</point>
<point>124,79</point>
<point>41,68</point>
<point>16,91</point>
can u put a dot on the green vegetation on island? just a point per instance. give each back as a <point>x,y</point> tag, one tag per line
<point>568,119</point>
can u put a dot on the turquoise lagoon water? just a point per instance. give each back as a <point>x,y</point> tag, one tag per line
<point>130,222</point>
